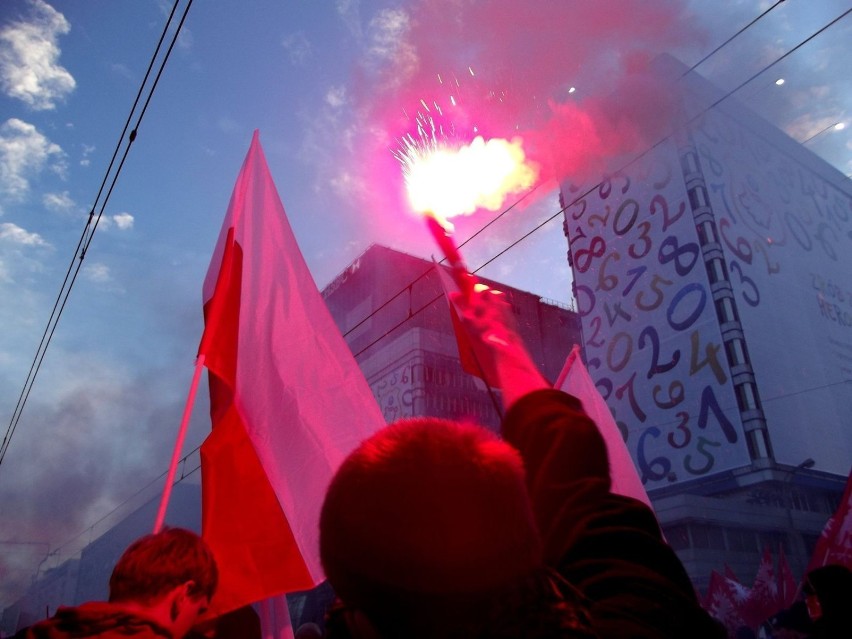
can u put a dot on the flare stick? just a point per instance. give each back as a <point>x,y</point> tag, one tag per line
<point>463,278</point>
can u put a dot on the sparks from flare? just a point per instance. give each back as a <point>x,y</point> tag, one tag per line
<point>449,179</point>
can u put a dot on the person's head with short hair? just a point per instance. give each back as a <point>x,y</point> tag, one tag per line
<point>425,519</point>
<point>171,573</point>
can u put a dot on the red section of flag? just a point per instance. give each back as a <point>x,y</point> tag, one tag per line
<point>724,601</point>
<point>288,401</point>
<point>834,545</point>
<point>763,599</point>
<point>730,574</point>
<point>787,587</point>
<point>475,361</point>
<point>243,522</point>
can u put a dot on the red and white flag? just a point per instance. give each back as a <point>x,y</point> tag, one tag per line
<point>575,380</point>
<point>787,587</point>
<point>763,600</point>
<point>287,400</point>
<point>474,359</point>
<point>834,545</point>
<point>725,599</point>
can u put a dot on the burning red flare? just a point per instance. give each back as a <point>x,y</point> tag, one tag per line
<point>448,181</point>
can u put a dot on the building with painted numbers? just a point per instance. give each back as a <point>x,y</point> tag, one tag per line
<point>713,279</point>
<point>391,310</point>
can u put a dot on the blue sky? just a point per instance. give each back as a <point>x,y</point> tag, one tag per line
<point>321,80</point>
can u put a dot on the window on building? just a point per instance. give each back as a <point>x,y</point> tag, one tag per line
<point>746,398</point>
<point>689,162</point>
<point>773,540</point>
<point>697,197</point>
<point>758,448</point>
<point>706,233</point>
<point>735,351</point>
<point>741,540</point>
<point>716,271</point>
<point>677,536</point>
<point>725,310</point>
<point>707,536</point>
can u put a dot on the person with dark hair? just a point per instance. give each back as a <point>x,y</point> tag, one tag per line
<point>828,597</point>
<point>437,529</point>
<point>158,589</point>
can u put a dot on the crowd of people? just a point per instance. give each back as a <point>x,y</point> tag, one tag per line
<point>438,529</point>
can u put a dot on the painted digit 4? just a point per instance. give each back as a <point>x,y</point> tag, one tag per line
<point>711,358</point>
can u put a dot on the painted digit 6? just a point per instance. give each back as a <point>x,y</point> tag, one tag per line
<point>656,469</point>
<point>742,249</point>
<point>676,395</point>
<point>607,282</point>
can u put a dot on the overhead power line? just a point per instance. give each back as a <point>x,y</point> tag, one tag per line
<point>732,38</point>
<point>92,221</point>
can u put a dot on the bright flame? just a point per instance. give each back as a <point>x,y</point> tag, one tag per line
<point>456,181</point>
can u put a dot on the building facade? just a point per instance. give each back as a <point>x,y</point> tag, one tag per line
<point>391,310</point>
<point>712,278</point>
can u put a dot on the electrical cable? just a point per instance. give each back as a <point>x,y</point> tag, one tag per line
<point>728,41</point>
<point>88,235</point>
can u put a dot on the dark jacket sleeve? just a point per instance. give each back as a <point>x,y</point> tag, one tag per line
<point>609,546</point>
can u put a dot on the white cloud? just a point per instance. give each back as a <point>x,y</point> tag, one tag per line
<point>809,125</point>
<point>185,39</point>
<point>97,272</point>
<point>87,151</point>
<point>24,153</point>
<point>346,185</point>
<point>336,96</point>
<point>348,10</point>
<point>29,55</point>
<point>123,221</point>
<point>58,201</point>
<point>298,46</point>
<point>388,44</point>
<point>227,124</point>
<point>387,32</point>
<point>122,70</point>
<point>16,235</point>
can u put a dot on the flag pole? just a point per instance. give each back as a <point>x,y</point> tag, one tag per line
<point>464,279</point>
<point>569,362</point>
<point>181,436</point>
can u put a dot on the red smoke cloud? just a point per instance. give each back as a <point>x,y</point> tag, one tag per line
<point>524,58</point>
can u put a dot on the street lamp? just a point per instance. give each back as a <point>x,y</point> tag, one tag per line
<point>837,126</point>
